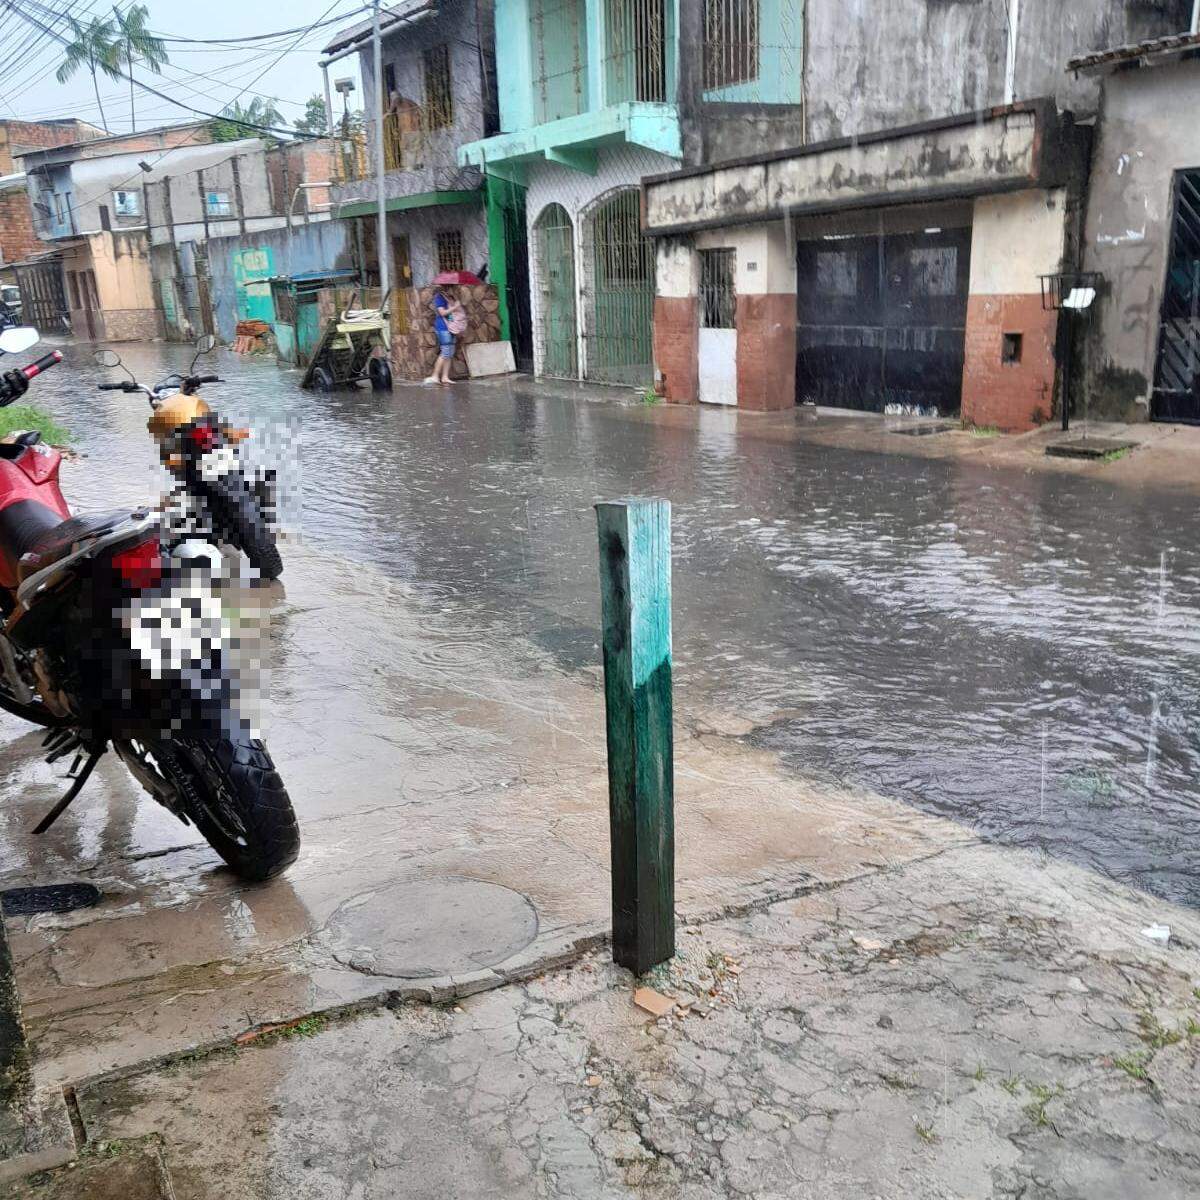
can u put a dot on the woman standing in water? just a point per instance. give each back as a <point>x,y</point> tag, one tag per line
<point>449,323</point>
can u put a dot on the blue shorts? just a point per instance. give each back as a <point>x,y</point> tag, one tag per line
<point>446,341</point>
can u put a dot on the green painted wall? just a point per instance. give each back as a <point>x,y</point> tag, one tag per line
<point>251,270</point>
<point>501,194</point>
<point>559,53</point>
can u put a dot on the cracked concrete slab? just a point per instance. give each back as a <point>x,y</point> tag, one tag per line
<point>985,1024</point>
<point>410,757</point>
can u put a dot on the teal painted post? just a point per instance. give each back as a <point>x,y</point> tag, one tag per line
<point>635,602</point>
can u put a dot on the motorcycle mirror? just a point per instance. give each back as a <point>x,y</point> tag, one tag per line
<point>107,358</point>
<point>18,338</point>
<point>205,344</point>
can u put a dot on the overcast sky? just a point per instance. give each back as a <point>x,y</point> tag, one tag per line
<point>208,78</point>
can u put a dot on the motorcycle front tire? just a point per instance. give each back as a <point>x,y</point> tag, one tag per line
<point>229,789</point>
<point>240,518</point>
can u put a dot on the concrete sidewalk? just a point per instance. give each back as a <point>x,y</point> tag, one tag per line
<point>978,1024</point>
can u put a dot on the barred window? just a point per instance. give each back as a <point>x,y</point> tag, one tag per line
<point>731,36</point>
<point>717,297</point>
<point>127,202</point>
<point>450,250</point>
<point>439,101</point>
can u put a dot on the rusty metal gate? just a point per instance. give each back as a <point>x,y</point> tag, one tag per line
<point>880,320</point>
<point>554,238</point>
<point>1176,395</point>
<point>619,291</point>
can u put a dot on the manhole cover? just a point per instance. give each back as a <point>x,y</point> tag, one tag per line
<point>443,926</point>
<point>57,898</point>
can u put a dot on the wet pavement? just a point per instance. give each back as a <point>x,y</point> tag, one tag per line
<point>1016,651</point>
<point>858,637</point>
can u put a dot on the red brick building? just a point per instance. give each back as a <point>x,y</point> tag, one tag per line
<point>18,239</point>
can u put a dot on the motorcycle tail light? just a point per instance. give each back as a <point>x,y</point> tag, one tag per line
<point>204,437</point>
<point>140,566</point>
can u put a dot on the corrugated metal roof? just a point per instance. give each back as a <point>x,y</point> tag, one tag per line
<point>1174,43</point>
<point>407,10</point>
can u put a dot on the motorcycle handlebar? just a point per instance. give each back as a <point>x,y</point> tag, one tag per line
<point>208,379</point>
<point>109,387</point>
<point>43,364</point>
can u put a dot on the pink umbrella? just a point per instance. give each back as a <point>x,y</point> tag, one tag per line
<point>456,277</point>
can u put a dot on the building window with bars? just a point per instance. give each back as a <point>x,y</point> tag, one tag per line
<point>127,202</point>
<point>450,250</point>
<point>216,204</point>
<point>731,42</point>
<point>439,101</point>
<point>558,33</point>
<point>718,300</point>
<point>636,40</point>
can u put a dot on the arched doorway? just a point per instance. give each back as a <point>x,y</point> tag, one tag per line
<point>620,287</point>
<point>554,237</point>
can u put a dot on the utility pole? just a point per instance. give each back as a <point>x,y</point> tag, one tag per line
<point>381,236</point>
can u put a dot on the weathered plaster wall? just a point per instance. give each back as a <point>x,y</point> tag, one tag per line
<point>1148,131</point>
<point>1015,238</point>
<point>321,246</point>
<point>126,309</point>
<point>873,66</point>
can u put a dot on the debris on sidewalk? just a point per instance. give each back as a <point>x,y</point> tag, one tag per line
<point>655,1003</point>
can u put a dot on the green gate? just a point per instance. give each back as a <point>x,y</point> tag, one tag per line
<point>620,326</point>
<point>554,237</point>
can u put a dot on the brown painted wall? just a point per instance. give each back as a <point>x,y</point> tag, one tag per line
<point>675,352</point>
<point>1013,397</point>
<point>766,352</point>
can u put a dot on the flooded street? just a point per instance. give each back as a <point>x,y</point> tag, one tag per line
<point>1018,652</point>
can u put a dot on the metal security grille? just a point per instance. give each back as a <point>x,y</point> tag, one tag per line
<point>717,297</point>
<point>636,65</point>
<point>559,32</point>
<point>752,51</point>
<point>450,250</point>
<point>618,334</point>
<point>1176,395</point>
<point>439,98</point>
<point>554,241</point>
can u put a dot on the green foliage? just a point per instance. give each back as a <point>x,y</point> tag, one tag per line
<point>137,46</point>
<point>1113,455</point>
<point>244,121</point>
<point>19,417</point>
<point>313,123</point>
<point>1134,1065</point>
<point>925,1132</point>
<point>650,397</point>
<point>93,46</point>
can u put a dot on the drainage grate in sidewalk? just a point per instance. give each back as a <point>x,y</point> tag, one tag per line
<point>926,430</point>
<point>56,898</point>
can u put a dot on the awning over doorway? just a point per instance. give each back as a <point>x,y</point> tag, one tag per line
<point>1020,146</point>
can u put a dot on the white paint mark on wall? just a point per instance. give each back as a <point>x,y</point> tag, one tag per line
<point>1121,239</point>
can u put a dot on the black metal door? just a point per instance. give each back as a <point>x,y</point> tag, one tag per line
<point>1176,394</point>
<point>880,320</point>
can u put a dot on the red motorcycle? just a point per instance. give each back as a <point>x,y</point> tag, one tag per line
<point>107,640</point>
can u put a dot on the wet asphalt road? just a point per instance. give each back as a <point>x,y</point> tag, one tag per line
<point>1017,651</point>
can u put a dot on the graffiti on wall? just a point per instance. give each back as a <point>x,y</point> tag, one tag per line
<point>252,271</point>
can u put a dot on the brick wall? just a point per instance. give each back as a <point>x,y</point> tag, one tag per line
<point>16,136</point>
<point>17,237</point>
<point>1012,397</point>
<point>675,353</point>
<point>766,352</point>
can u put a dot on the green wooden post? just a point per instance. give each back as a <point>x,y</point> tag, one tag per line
<point>635,591</point>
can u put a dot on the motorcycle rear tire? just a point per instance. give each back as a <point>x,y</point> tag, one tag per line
<point>240,518</point>
<point>229,789</point>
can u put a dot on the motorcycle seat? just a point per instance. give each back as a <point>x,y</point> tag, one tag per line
<point>59,540</point>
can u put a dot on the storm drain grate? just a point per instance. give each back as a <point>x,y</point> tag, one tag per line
<point>57,898</point>
<point>926,430</point>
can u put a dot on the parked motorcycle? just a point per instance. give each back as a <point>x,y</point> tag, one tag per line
<point>216,496</point>
<point>107,640</point>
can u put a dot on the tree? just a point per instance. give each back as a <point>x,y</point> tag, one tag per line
<point>237,121</point>
<point>93,46</point>
<point>313,123</point>
<point>136,44</point>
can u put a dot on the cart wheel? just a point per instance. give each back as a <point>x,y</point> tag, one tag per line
<point>322,379</point>
<point>380,374</point>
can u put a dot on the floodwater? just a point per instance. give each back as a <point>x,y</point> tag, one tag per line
<point>1020,652</point>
